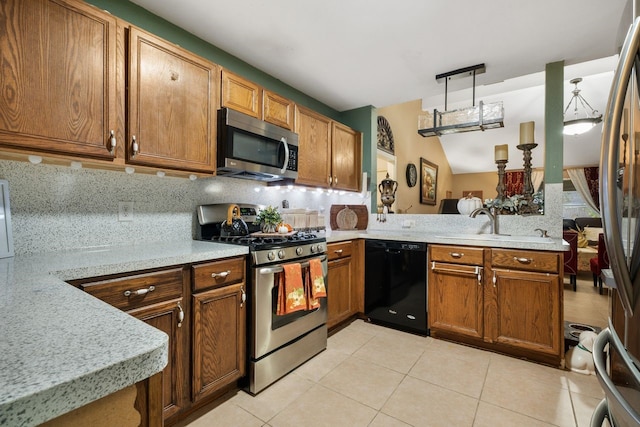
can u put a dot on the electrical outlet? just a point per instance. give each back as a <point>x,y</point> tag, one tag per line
<point>408,223</point>
<point>125,211</point>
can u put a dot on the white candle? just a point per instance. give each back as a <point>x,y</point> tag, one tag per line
<point>526,132</point>
<point>502,152</point>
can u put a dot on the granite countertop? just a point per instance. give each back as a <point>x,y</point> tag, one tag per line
<point>61,348</point>
<point>467,239</point>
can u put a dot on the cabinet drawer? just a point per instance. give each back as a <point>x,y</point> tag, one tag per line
<point>548,262</point>
<point>457,254</point>
<point>218,273</point>
<point>339,250</point>
<point>131,292</point>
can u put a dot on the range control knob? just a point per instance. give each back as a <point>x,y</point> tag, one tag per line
<point>319,247</point>
<point>298,251</point>
<point>271,256</point>
<point>313,249</point>
<point>281,254</point>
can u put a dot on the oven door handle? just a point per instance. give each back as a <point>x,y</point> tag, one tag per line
<point>279,269</point>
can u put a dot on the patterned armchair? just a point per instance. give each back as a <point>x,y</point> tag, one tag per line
<point>571,257</point>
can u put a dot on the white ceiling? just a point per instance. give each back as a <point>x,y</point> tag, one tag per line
<point>352,53</point>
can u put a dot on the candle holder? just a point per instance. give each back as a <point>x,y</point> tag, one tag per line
<point>501,187</point>
<point>529,207</point>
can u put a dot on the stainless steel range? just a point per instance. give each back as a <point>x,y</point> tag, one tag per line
<point>277,343</point>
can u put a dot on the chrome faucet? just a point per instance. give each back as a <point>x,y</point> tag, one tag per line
<point>491,213</point>
<point>543,233</point>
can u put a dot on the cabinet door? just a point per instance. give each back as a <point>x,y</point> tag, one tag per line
<point>169,317</point>
<point>172,106</point>
<point>455,300</point>
<point>525,311</point>
<point>277,110</point>
<point>240,94</point>
<point>339,305</point>
<point>218,350</point>
<point>314,149</point>
<point>58,77</point>
<point>346,157</point>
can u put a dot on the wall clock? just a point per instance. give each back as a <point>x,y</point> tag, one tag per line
<point>412,175</point>
<point>385,136</point>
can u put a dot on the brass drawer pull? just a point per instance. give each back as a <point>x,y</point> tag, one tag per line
<point>338,251</point>
<point>221,275</point>
<point>523,260</point>
<point>456,254</point>
<point>135,147</point>
<point>180,315</point>
<point>112,142</point>
<point>139,291</point>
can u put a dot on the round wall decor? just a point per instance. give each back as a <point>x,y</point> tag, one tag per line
<point>412,175</point>
<point>385,136</point>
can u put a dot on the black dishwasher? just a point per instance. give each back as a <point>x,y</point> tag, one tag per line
<point>395,284</point>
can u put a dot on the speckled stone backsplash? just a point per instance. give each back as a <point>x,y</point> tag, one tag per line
<point>58,208</point>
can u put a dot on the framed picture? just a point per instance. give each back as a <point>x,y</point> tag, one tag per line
<point>428,182</point>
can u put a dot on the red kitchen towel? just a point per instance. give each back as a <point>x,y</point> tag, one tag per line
<point>291,295</point>
<point>318,290</point>
<point>312,302</point>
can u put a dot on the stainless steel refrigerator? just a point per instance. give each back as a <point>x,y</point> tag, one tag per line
<point>617,348</point>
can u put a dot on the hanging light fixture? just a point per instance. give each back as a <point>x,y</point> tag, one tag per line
<point>481,117</point>
<point>579,123</point>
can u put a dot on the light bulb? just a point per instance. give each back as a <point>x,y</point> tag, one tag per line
<point>34,160</point>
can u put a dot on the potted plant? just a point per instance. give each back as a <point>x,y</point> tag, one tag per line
<point>269,217</point>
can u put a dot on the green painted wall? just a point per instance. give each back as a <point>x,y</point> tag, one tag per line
<point>553,122</point>
<point>144,19</point>
<point>366,120</point>
<point>362,119</point>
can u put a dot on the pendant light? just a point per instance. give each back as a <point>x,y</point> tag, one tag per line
<point>481,117</point>
<point>583,122</point>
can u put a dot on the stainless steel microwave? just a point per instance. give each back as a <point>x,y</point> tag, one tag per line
<point>253,149</point>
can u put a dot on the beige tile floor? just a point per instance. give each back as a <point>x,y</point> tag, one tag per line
<point>585,305</point>
<point>375,376</point>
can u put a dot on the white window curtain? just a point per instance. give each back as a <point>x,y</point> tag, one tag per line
<point>536,180</point>
<point>580,182</point>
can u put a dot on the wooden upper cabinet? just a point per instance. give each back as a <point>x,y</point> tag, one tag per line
<point>172,102</point>
<point>314,147</point>
<point>346,159</point>
<point>277,110</point>
<point>251,99</point>
<point>57,90</point>
<point>240,94</point>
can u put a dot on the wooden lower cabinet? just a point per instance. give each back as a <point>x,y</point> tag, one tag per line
<point>202,308</point>
<point>455,302</point>
<point>162,307</point>
<point>218,349</point>
<point>345,287</point>
<point>525,311</point>
<point>506,300</point>
<point>169,318</point>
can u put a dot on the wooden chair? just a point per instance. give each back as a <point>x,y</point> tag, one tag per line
<point>599,263</point>
<point>571,257</point>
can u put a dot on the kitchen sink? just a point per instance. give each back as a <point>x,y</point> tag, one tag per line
<point>497,238</point>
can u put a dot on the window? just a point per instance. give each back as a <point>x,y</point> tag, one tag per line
<point>573,205</point>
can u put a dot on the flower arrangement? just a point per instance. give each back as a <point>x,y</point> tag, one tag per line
<point>269,217</point>
<point>516,203</point>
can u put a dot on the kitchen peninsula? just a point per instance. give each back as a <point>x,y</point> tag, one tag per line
<point>61,347</point>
